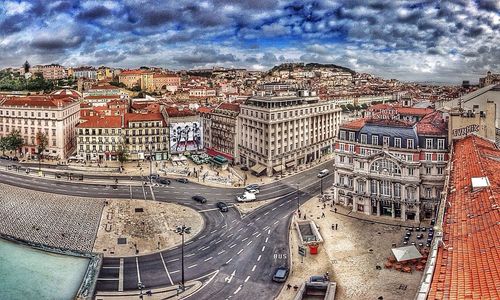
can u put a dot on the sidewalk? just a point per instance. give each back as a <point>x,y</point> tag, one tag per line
<point>170,292</point>
<point>351,254</point>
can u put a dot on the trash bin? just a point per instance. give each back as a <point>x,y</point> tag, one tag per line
<point>313,249</point>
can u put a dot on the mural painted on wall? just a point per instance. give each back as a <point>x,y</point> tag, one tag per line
<point>186,136</point>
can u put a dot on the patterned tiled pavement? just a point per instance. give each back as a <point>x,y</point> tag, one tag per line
<point>54,220</point>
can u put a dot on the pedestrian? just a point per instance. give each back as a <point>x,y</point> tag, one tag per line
<point>336,226</point>
<point>324,205</point>
<point>299,214</point>
<point>335,210</point>
<point>323,214</point>
<point>304,216</point>
<point>333,226</point>
<point>288,286</point>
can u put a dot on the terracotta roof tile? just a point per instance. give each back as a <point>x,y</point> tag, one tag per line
<point>37,101</point>
<point>229,106</point>
<point>469,268</point>
<point>101,122</point>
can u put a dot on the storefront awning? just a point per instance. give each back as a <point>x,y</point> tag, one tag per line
<point>278,168</point>
<point>258,168</point>
<point>290,164</point>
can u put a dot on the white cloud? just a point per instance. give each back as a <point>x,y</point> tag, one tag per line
<point>14,8</point>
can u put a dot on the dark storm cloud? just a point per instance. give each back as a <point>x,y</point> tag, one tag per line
<point>357,33</point>
<point>94,13</point>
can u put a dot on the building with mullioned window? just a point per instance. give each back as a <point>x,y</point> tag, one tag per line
<point>392,166</point>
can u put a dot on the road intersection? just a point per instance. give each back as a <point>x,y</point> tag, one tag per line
<point>236,254</point>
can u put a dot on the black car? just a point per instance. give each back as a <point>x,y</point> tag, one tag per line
<point>164,181</point>
<point>4,157</point>
<point>252,187</point>
<point>14,158</point>
<point>281,274</point>
<point>244,168</point>
<point>222,206</point>
<point>199,198</point>
<point>182,180</point>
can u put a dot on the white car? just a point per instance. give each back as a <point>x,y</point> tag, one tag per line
<point>246,197</point>
<point>252,191</point>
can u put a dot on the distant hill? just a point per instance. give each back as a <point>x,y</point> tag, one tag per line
<point>308,67</point>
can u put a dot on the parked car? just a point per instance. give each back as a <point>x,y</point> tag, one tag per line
<point>281,274</point>
<point>182,180</point>
<point>14,158</point>
<point>164,181</point>
<point>222,206</point>
<point>246,197</point>
<point>317,281</point>
<point>4,157</point>
<point>244,168</point>
<point>154,176</point>
<point>199,198</point>
<point>323,173</point>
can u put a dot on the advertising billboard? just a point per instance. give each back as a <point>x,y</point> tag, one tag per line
<point>186,136</point>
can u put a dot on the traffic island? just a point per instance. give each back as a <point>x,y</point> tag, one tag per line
<point>140,227</point>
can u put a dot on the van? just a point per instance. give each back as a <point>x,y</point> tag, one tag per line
<point>246,197</point>
<point>323,173</point>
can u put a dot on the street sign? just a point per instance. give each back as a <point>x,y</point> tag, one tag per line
<point>302,251</point>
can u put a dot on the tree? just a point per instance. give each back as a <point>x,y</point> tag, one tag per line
<point>14,141</point>
<point>350,107</point>
<point>364,106</point>
<point>122,154</point>
<point>4,143</point>
<point>42,141</point>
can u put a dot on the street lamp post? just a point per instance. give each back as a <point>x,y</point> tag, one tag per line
<point>151,162</point>
<point>182,230</point>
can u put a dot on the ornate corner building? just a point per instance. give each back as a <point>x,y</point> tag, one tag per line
<point>392,164</point>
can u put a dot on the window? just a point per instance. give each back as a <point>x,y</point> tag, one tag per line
<point>361,165</point>
<point>440,156</point>
<point>440,144</point>
<point>440,171</point>
<point>397,142</point>
<point>386,141</point>
<point>361,186</point>
<point>351,148</point>
<point>385,166</point>
<point>428,192</point>
<point>409,144</point>
<point>351,136</point>
<point>428,143</point>
<point>428,156</point>
<point>373,186</point>
<point>386,188</point>
<point>342,135</point>
<point>363,138</point>
<point>374,140</point>
<point>428,170</point>
<point>397,190</point>
<point>410,171</point>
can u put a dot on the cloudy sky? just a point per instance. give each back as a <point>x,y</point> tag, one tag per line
<point>416,40</point>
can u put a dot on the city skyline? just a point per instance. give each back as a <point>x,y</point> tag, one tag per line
<point>426,41</point>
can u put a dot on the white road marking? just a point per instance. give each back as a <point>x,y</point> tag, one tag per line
<point>172,260</point>
<point>265,214</point>
<point>244,239</point>
<point>237,290</point>
<point>239,252</point>
<point>213,231</point>
<point>189,255</point>
<point>229,261</point>
<point>204,248</point>
<point>120,276</point>
<point>218,242</point>
<point>267,238</point>
<point>240,229</point>
<point>269,231</point>
<point>232,246</point>
<point>276,222</point>
<point>248,244</point>
<point>257,219</point>
<point>233,221</point>
<point>137,266</point>
<point>281,204</point>
<point>228,279</point>
<point>255,233</point>
<point>250,224</point>
<point>208,258</point>
<point>258,258</point>
<point>253,269</point>
<point>263,247</point>
<point>176,271</point>
<point>221,252</point>
<point>166,270</point>
<point>258,235</point>
<point>192,266</point>
<point>230,235</point>
<point>274,208</point>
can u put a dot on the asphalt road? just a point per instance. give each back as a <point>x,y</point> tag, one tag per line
<point>241,252</point>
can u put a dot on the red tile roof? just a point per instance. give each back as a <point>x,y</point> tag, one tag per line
<point>467,266</point>
<point>133,72</point>
<point>432,124</point>
<point>137,117</point>
<point>104,87</point>
<point>174,112</point>
<point>101,122</point>
<point>356,124</point>
<point>103,97</point>
<point>37,101</point>
<point>205,109</point>
<point>230,106</point>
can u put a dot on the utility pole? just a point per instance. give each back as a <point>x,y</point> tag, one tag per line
<point>182,230</point>
<point>151,161</point>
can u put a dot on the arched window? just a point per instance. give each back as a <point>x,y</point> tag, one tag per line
<point>385,166</point>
